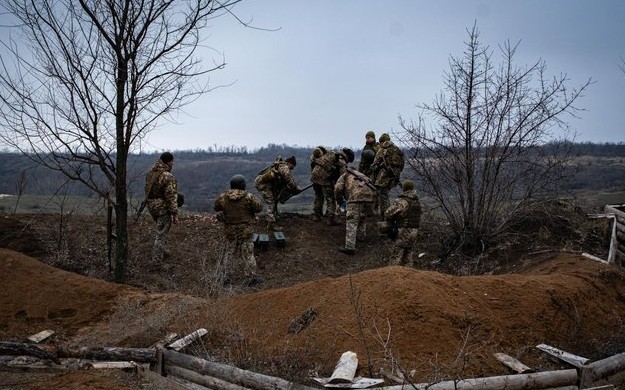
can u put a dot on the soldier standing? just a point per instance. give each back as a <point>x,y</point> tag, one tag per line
<point>360,193</point>
<point>161,194</point>
<point>272,182</point>
<point>387,166</point>
<point>406,213</point>
<point>238,210</point>
<point>370,144</point>
<point>327,166</point>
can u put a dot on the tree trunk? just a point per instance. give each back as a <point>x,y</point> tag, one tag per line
<point>121,190</point>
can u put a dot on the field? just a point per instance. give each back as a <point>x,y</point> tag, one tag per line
<point>430,323</point>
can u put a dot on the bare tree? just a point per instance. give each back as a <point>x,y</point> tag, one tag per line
<point>86,80</point>
<point>497,140</point>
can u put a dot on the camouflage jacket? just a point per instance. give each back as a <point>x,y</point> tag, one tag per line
<point>388,165</point>
<point>276,177</point>
<point>355,187</point>
<point>406,210</point>
<point>238,206</point>
<point>161,190</point>
<point>326,166</point>
<point>364,166</point>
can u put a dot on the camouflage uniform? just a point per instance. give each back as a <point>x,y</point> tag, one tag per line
<point>387,166</point>
<point>271,182</point>
<point>162,202</point>
<point>360,194</point>
<point>239,208</point>
<point>406,211</point>
<point>326,167</point>
<point>364,166</point>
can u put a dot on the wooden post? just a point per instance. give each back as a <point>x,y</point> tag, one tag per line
<point>204,380</point>
<point>188,339</point>
<point>601,369</point>
<point>17,349</point>
<point>143,355</point>
<point>39,337</point>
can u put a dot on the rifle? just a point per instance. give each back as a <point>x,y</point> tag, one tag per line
<point>363,178</point>
<point>286,194</point>
<point>140,210</point>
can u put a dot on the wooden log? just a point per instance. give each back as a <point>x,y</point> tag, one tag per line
<point>161,382</point>
<point>39,337</point>
<point>574,360</point>
<point>513,363</point>
<point>204,380</point>
<point>229,373</point>
<point>188,339</point>
<point>144,355</point>
<point>166,340</point>
<point>537,380</point>
<point>594,372</point>
<point>17,349</point>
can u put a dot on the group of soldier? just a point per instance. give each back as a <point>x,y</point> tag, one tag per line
<point>363,192</point>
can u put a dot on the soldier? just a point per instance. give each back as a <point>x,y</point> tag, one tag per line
<point>360,194</point>
<point>237,209</point>
<point>406,213</point>
<point>327,166</point>
<point>370,144</point>
<point>161,194</point>
<point>387,166</point>
<point>274,181</point>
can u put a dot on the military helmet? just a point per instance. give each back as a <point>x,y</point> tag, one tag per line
<point>367,155</point>
<point>407,185</point>
<point>349,154</point>
<point>237,182</point>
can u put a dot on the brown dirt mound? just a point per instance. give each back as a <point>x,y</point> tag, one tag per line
<point>438,325</point>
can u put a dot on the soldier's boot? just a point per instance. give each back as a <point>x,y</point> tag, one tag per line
<point>332,221</point>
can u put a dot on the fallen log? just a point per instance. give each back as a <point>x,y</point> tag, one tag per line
<point>229,373</point>
<point>204,380</point>
<point>188,339</point>
<point>17,349</point>
<point>143,355</point>
<point>563,379</point>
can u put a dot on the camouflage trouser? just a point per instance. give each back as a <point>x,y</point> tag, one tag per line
<point>163,224</point>
<point>241,247</point>
<point>271,201</point>
<point>404,247</point>
<point>356,222</point>
<point>324,193</point>
<point>383,200</point>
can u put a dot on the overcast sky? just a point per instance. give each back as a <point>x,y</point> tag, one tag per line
<point>335,69</point>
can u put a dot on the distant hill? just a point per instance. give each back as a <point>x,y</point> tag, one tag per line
<point>203,174</point>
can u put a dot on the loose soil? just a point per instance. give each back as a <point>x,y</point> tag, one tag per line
<point>428,323</point>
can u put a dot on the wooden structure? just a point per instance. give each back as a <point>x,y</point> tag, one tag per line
<point>170,369</point>
<point>617,241</point>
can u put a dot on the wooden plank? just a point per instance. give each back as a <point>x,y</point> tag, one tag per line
<point>229,373</point>
<point>188,339</point>
<point>113,365</point>
<point>566,379</point>
<point>39,337</point>
<point>166,340</point>
<point>615,209</point>
<point>574,360</point>
<point>594,258</point>
<point>512,363</point>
